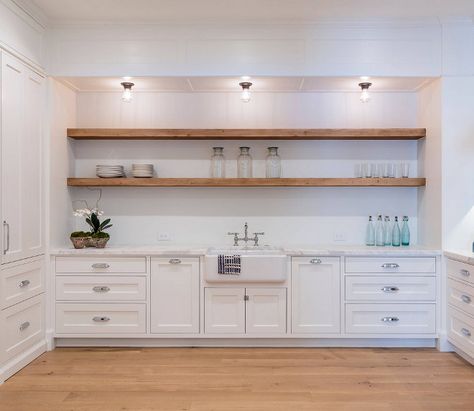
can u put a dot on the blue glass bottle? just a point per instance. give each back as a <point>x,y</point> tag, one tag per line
<point>405,232</point>
<point>370,233</point>
<point>396,233</point>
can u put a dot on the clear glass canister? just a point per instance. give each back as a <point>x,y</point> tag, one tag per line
<point>218,163</point>
<point>273,163</point>
<point>244,163</point>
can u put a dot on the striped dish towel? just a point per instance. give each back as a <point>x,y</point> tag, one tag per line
<point>229,264</point>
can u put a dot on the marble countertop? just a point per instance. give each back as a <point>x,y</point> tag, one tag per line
<point>304,250</point>
<point>465,256</point>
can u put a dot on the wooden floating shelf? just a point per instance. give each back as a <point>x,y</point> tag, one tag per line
<point>247,134</point>
<point>246,182</point>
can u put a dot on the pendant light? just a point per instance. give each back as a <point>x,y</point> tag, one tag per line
<point>365,96</point>
<point>127,91</point>
<point>245,96</point>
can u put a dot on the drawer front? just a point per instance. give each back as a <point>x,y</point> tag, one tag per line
<point>390,319</point>
<point>461,330</point>
<point>100,265</point>
<point>461,295</point>
<point>100,318</point>
<point>390,265</point>
<point>460,271</point>
<point>390,288</point>
<point>21,282</point>
<point>100,288</point>
<point>23,326</point>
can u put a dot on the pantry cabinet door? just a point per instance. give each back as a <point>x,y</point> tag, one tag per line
<point>266,311</point>
<point>316,295</point>
<point>224,310</point>
<point>175,295</point>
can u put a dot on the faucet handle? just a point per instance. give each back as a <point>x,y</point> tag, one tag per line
<point>232,233</point>
<point>259,233</point>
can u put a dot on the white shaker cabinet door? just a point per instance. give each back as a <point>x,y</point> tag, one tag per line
<point>316,295</point>
<point>224,310</point>
<point>266,311</point>
<point>22,94</point>
<point>175,295</point>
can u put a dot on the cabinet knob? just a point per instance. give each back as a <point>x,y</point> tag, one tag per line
<point>101,289</point>
<point>465,332</point>
<point>24,283</point>
<point>465,273</point>
<point>390,319</point>
<point>24,325</point>
<point>389,289</point>
<point>100,265</point>
<point>101,319</point>
<point>315,261</point>
<point>175,261</point>
<point>466,298</point>
<point>390,265</point>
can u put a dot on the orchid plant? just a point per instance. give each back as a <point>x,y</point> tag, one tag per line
<point>91,216</point>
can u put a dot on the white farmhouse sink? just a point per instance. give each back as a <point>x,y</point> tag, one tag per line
<point>258,265</point>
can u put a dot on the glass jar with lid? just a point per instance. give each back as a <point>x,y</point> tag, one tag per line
<point>273,163</point>
<point>244,163</point>
<point>218,163</point>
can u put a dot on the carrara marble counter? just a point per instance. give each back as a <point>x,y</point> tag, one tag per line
<point>463,256</point>
<point>304,250</point>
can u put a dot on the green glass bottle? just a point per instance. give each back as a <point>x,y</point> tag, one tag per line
<point>396,233</point>
<point>370,233</point>
<point>405,232</point>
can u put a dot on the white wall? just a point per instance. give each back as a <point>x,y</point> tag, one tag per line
<point>287,215</point>
<point>458,162</point>
<point>62,104</point>
<point>429,112</point>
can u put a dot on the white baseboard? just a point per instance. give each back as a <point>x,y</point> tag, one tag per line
<point>236,342</point>
<point>443,344</point>
<point>50,341</point>
<point>20,361</point>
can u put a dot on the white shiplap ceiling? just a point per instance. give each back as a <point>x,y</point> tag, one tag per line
<point>260,84</point>
<point>268,11</point>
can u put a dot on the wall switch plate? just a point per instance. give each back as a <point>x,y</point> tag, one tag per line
<point>164,236</point>
<point>339,237</point>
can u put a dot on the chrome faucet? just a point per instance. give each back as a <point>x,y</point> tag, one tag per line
<point>246,238</point>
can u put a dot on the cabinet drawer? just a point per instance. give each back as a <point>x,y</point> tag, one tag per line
<point>460,271</point>
<point>461,295</point>
<point>100,318</point>
<point>390,288</point>
<point>461,330</point>
<point>21,282</point>
<point>390,265</point>
<point>390,318</point>
<point>100,265</point>
<point>23,326</point>
<point>100,288</point>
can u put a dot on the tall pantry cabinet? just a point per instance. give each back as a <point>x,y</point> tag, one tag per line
<point>22,214</point>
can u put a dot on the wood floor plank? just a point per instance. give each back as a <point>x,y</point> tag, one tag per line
<point>241,379</point>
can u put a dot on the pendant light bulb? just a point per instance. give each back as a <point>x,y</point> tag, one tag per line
<point>365,96</point>
<point>245,96</point>
<point>127,91</point>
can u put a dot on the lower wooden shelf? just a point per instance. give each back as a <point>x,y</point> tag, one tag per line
<point>246,182</point>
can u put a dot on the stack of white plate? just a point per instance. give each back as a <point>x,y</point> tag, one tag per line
<point>109,171</point>
<point>142,170</point>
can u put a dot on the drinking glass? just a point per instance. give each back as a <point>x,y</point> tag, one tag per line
<point>358,170</point>
<point>404,169</point>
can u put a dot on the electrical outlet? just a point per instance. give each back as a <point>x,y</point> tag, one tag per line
<point>339,237</point>
<point>164,236</point>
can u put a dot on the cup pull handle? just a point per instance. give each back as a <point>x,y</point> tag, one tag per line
<point>100,265</point>
<point>175,261</point>
<point>465,332</point>
<point>101,319</point>
<point>24,325</point>
<point>24,283</point>
<point>315,261</point>
<point>390,265</point>
<point>465,273</point>
<point>389,289</point>
<point>466,298</point>
<point>390,319</point>
<point>101,289</point>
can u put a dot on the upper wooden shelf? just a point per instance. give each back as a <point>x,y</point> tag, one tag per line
<point>247,134</point>
<point>246,182</point>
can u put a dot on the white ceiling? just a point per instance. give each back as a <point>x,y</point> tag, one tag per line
<point>249,10</point>
<point>260,84</point>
